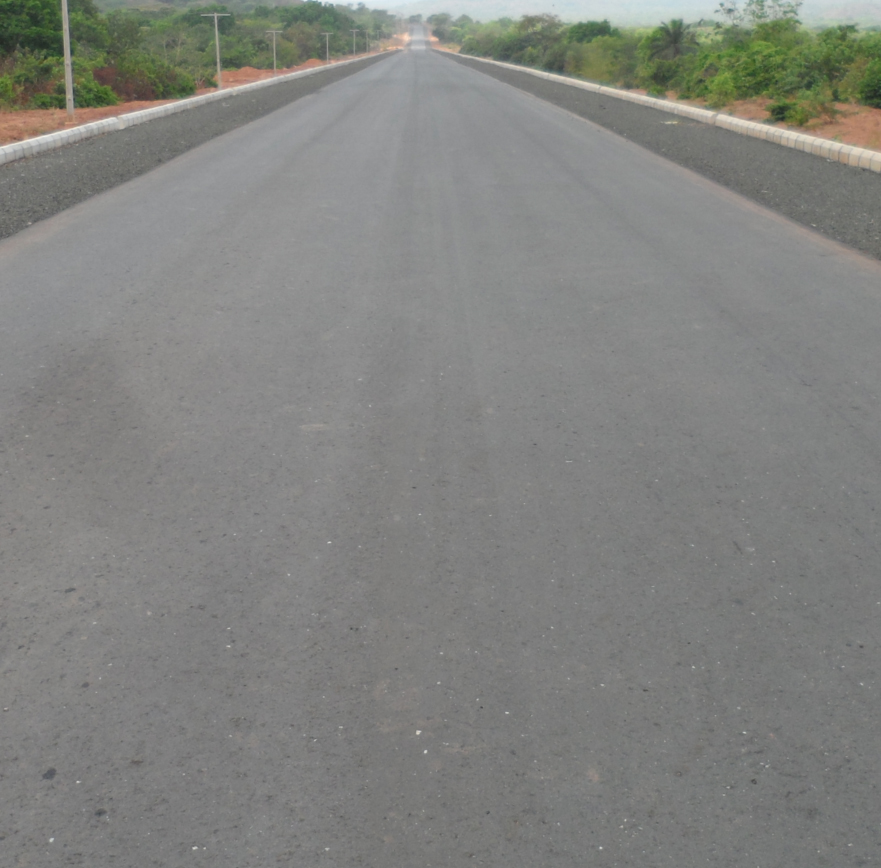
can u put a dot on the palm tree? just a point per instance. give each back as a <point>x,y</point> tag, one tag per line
<point>671,40</point>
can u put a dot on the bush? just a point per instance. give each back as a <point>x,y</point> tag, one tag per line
<point>849,86</point>
<point>554,58</point>
<point>607,59</point>
<point>800,114</point>
<point>48,100</point>
<point>778,111</point>
<point>756,70</point>
<point>142,77</point>
<point>474,46</point>
<point>721,90</point>
<point>7,90</point>
<point>869,89</point>
<point>657,75</point>
<point>27,74</point>
<point>804,108</point>
<point>88,93</point>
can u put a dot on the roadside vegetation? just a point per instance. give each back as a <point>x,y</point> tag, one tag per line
<point>163,51</point>
<point>757,48</point>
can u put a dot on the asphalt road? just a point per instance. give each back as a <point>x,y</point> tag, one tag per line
<point>421,475</point>
<point>838,201</point>
<point>36,188</point>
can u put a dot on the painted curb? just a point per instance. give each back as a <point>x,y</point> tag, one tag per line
<point>849,155</point>
<point>53,141</point>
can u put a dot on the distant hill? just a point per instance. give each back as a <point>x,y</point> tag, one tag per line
<point>630,12</point>
<point>858,13</point>
<point>648,12</point>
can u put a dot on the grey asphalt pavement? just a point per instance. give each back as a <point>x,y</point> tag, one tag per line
<point>839,201</point>
<point>421,475</point>
<point>36,188</point>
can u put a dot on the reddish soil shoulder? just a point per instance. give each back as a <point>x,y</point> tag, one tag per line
<point>852,125</point>
<point>16,126</point>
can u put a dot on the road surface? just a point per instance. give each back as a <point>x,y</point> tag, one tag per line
<point>423,476</point>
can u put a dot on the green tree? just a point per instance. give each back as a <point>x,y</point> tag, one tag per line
<point>123,32</point>
<point>33,25</point>
<point>440,25</point>
<point>88,28</point>
<point>670,40</point>
<point>587,31</point>
<point>193,18</point>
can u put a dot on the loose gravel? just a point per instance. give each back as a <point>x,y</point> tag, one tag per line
<point>36,188</point>
<point>841,202</point>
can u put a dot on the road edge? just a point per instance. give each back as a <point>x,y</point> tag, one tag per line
<point>849,155</point>
<point>52,141</point>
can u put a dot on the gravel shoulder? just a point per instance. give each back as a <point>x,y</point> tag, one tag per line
<point>838,201</point>
<point>37,188</point>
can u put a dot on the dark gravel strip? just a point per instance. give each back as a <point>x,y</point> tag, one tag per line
<point>38,187</point>
<point>841,202</point>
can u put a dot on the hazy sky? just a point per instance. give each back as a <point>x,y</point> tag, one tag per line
<point>625,11</point>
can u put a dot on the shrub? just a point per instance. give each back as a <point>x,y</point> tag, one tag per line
<point>142,77</point>
<point>800,114</point>
<point>869,46</point>
<point>869,90</point>
<point>805,107</point>
<point>658,75</point>
<point>555,58</point>
<point>755,71</point>
<point>696,84</point>
<point>781,32</point>
<point>607,59</point>
<point>779,111</point>
<point>88,93</point>
<point>32,73</point>
<point>849,86</point>
<point>48,100</point>
<point>7,90</point>
<point>721,90</point>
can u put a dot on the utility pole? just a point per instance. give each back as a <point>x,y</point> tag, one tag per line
<point>68,66</point>
<point>215,16</point>
<point>353,41</point>
<point>273,32</point>
<point>327,44</point>
<point>367,40</point>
